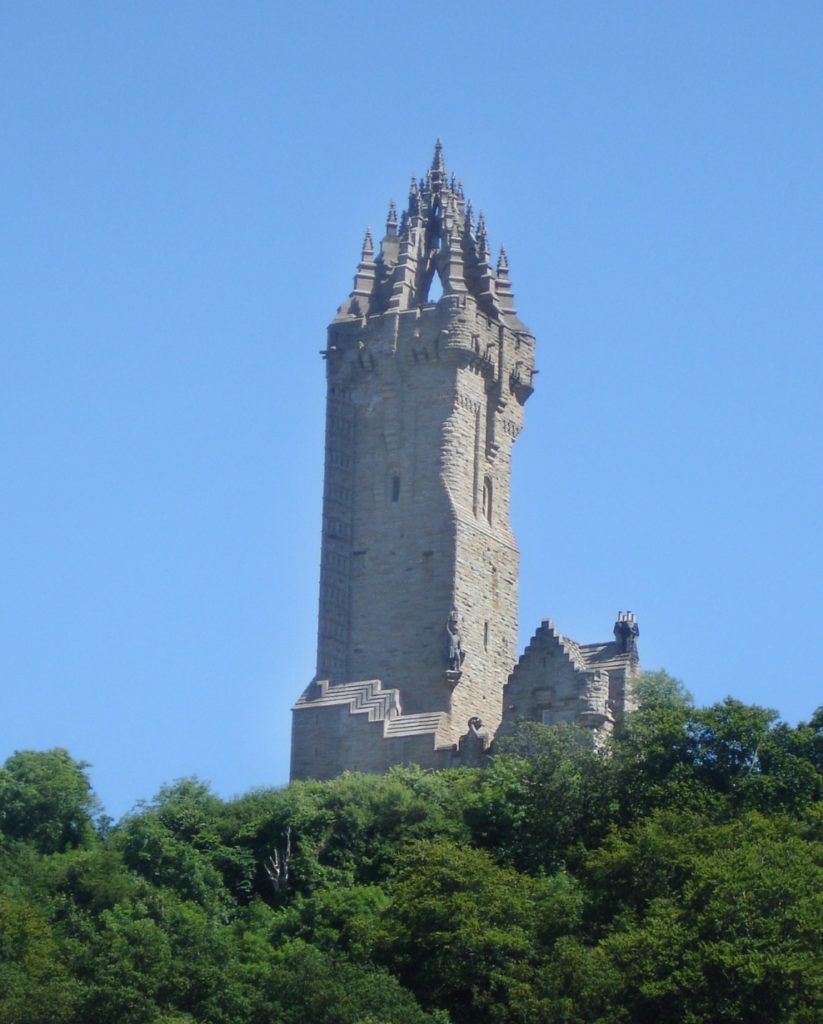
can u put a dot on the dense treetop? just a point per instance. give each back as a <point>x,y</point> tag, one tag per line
<point>674,876</point>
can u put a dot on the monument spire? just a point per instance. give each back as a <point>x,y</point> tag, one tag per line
<point>419,569</point>
<point>417,624</point>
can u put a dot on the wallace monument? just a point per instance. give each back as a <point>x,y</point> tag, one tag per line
<point>429,369</point>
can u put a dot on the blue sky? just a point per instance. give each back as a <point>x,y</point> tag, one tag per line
<point>183,195</point>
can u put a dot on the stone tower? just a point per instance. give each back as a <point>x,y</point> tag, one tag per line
<point>428,368</point>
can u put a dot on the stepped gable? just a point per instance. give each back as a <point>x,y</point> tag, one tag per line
<point>436,234</point>
<point>548,633</point>
<point>557,680</point>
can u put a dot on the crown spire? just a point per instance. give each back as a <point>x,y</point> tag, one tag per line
<point>437,162</point>
<point>435,232</point>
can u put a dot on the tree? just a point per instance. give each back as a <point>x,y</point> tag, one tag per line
<point>299,984</point>
<point>469,936</point>
<point>548,792</point>
<point>174,841</point>
<point>734,935</point>
<point>46,798</point>
<point>35,987</point>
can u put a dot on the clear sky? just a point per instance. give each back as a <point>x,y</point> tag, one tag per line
<point>183,193</point>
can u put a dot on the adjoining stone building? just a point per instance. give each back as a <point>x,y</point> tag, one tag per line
<point>419,570</point>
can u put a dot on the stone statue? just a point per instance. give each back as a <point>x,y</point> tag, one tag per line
<point>455,652</point>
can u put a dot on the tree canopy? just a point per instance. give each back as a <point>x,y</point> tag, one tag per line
<point>673,875</point>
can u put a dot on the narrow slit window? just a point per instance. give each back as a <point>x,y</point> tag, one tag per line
<point>487,499</point>
<point>395,488</point>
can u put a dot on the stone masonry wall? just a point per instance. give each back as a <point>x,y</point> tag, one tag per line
<point>421,418</point>
<point>558,680</point>
<point>546,685</point>
<point>331,740</point>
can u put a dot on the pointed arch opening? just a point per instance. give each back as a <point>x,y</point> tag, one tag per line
<point>431,288</point>
<point>435,289</point>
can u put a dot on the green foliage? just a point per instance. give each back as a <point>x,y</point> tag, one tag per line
<point>335,918</point>
<point>728,932</point>
<point>674,876</point>
<point>34,984</point>
<point>174,842</point>
<point>549,792</point>
<point>467,934</point>
<point>46,799</point>
<point>301,984</point>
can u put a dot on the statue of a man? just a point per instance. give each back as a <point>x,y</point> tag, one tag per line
<point>455,651</point>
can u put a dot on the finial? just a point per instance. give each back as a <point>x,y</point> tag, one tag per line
<point>368,247</point>
<point>437,162</point>
<point>482,238</point>
<point>391,220</point>
<point>453,182</point>
<point>502,261</point>
<point>414,196</point>
<point>460,189</point>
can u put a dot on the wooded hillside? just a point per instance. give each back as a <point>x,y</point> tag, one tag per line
<point>675,877</point>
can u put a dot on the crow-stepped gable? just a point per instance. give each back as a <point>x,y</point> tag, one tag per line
<point>428,370</point>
